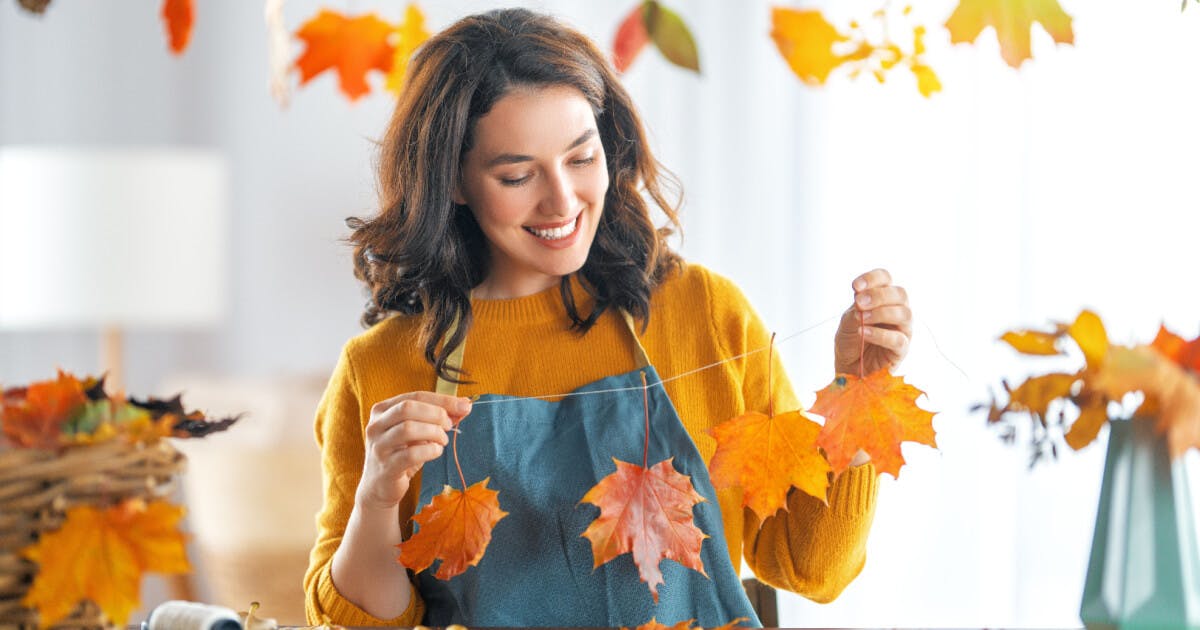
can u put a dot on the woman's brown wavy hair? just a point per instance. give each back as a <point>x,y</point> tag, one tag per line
<point>422,254</point>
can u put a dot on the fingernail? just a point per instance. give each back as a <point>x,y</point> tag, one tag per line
<point>866,316</point>
<point>868,332</point>
<point>860,284</point>
<point>864,300</point>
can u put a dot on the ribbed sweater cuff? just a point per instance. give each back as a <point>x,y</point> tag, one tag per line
<point>343,612</point>
<point>853,492</point>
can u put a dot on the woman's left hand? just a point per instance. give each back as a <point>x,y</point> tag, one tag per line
<point>879,316</point>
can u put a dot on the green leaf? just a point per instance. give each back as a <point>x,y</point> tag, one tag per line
<point>671,36</point>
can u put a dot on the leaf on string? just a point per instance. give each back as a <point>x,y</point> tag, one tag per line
<point>352,46</point>
<point>456,528</point>
<point>806,40</point>
<point>766,456</point>
<point>874,414</point>
<point>178,16</point>
<point>646,511</point>
<point>671,35</point>
<point>33,417</point>
<point>631,39</point>
<point>279,52</point>
<point>1012,20</point>
<point>411,34</point>
<point>100,555</point>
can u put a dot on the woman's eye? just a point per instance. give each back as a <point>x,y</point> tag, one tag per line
<point>514,181</point>
<point>584,161</point>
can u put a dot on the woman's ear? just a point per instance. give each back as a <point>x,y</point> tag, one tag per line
<point>456,195</point>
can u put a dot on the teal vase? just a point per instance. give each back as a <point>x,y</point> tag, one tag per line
<point>1144,570</point>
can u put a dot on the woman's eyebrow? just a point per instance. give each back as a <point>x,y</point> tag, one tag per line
<point>515,158</point>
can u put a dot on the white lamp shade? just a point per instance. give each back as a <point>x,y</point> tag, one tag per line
<point>112,237</point>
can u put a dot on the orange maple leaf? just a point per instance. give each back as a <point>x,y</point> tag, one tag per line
<point>647,511</point>
<point>874,414</point>
<point>178,16</point>
<point>1183,353</point>
<point>354,46</point>
<point>632,37</point>
<point>411,34</point>
<point>455,527</point>
<point>806,40</point>
<point>654,624</point>
<point>1012,20</point>
<point>766,456</point>
<point>100,555</point>
<point>35,419</point>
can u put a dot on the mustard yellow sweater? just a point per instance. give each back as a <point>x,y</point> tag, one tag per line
<point>524,347</point>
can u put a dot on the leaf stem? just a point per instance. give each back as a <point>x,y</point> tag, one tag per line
<point>646,407</point>
<point>862,343</point>
<point>771,378</point>
<point>454,447</point>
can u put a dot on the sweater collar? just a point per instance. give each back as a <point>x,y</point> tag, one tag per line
<point>541,307</point>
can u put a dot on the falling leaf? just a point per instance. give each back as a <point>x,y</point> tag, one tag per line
<point>100,555</point>
<point>1036,393</point>
<point>36,418</point>
<point>671,35</point>
<point>647,511</point>
<point>1013,20</point>
<point>178,16</point>
<point>631,39</point>
<point>1031,342</point>
<point>352,46</point>
<point>411,34</point>
<point>874,414</point>
<point>278,52</point>
<point>766,456</point>
<point>455,527</point>
<point>806,41</point>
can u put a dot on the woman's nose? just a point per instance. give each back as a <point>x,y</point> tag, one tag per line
<point>559,196</point>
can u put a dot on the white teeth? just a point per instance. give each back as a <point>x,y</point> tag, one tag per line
<point>554,234</point>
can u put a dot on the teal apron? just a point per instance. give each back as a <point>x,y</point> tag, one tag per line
<point>543,457</point>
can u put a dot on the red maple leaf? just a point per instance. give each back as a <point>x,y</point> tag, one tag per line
<point>353,46</point>
<point>647,511</point>
<point>178,15</point>
<point>874,414</point>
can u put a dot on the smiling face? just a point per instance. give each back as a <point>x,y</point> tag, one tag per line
<point>535,180</point>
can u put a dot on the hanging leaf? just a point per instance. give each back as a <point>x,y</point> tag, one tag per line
<point>100,555</point>
<point>806,41</point>
<point>352,46</point>
<point>646,511</point>
<point>671,35</point>
<point>37,6</point>
<point>654,624</point>
<point>631,39</point>
<point>766,456</point>
<point>33,417</point>
<point>874,414</point>
<point>411,35</point>
<point>1013,20</point>
<point>456,528</point>
<point>178,16</point>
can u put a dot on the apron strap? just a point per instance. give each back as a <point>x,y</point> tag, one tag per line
<point>455,360</point>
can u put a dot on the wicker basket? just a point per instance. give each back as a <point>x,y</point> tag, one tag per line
<point>37,487</point>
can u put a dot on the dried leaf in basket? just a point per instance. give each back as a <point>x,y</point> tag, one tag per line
<point>100,555</point>
<point>32,416</point>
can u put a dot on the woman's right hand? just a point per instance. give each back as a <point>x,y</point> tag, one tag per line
<point>402,434</point>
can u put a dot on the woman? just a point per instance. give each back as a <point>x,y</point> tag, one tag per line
<point>514,254</point>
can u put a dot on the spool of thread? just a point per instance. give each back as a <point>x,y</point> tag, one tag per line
<point>181,615</point>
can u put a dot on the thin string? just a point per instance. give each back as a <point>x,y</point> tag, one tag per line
<point>663,381</point>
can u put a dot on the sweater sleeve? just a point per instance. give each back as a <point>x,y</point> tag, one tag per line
<point>812,549</point>
<point>339,434</point>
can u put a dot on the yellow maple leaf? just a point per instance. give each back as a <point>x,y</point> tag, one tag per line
<point>100,555</point>
<point>411,34</point>
<point>1012,20</point>
<point>806,40</point>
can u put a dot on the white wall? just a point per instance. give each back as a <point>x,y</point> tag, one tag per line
<point>1008,200</point>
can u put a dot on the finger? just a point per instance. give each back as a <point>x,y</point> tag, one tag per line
<point>898,317</point>
<point>454,405</point>
<point>414,456</point>
<point>880,296</point>
<point>893,340</point>
<point>412,432</point>
<point>871,279</point>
